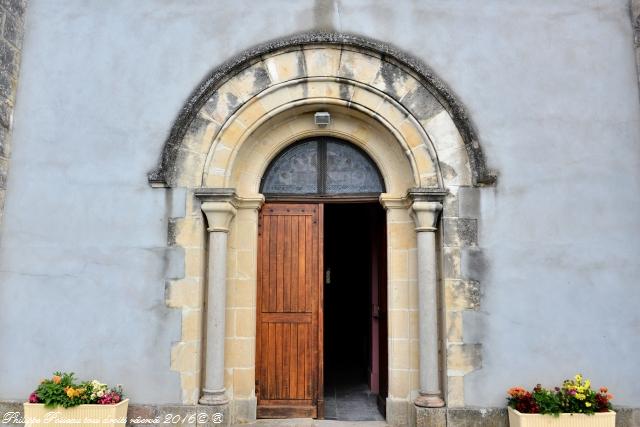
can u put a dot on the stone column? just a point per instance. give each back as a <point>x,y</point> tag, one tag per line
<point>425,213</point>
<point>219,210</point>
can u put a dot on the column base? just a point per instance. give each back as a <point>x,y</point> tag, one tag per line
<point>213,397</point>
<point>429,400</point>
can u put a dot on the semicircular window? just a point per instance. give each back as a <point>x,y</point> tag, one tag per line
<point>322,166</point>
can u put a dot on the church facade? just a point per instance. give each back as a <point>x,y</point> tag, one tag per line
<point>227,207</point>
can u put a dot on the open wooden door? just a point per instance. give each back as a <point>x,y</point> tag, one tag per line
<point>289,311</point>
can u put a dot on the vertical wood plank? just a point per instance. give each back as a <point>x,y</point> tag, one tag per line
<point>263,274</point>
<point>286,261</point>
<point>294,263</point>
<point>272,360</point>
<point>293,365</point>
<point>273,241</point>
<point>279,264</point>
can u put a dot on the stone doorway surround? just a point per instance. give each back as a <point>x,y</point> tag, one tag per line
<point>409,123</point>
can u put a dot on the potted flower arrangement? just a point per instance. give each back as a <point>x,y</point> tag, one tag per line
<point>63,400</point>
<point>573,404</point>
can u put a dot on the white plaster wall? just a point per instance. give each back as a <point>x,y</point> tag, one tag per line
<point>551,86</point>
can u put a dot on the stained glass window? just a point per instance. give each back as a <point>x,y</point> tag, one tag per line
<point>322,166</point>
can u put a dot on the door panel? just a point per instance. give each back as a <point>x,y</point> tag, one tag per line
<point>289,301</point>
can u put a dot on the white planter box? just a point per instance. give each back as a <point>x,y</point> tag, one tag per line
<point>599,419</point>
<point>35,414</point>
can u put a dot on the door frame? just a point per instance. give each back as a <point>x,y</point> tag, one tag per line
<point>383,347</point>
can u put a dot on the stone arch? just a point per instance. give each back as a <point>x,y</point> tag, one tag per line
<point>251,108</point>
<point>398,75</point>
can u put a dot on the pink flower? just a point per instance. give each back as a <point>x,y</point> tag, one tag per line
<point>33,398</point>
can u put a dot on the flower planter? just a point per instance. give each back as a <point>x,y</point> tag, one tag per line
<point>599,419</point>
<point>35,414</point>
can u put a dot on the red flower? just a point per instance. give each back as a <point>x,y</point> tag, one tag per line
<point>33,398</point>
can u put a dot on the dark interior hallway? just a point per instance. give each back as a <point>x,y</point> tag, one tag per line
<point>348,313</point>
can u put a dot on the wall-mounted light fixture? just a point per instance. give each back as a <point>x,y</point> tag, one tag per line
<point>322,118</point>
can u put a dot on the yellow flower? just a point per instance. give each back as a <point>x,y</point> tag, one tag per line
<point>587,383</point>
<point>580,396</point>
<point>587,404</point>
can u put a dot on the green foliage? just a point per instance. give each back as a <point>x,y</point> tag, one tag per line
<point>547,401</point>
<point>63,390</point>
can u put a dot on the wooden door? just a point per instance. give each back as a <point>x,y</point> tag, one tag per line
<point>289,311</point>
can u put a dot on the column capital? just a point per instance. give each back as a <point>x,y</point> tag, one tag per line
<point>425,215</point>
<point>221,204</point>
<point>219,215</point>
<point>218,206</point>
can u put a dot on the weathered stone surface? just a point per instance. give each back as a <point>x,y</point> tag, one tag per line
<point>431,417</point>
<point>7,85</point>
<point>16,7</point>
<point>421,102</point>
<point>463,358</point>
<point>138,415</point>
<point>244,410</point>
<point>13,30</point>
<point>460,232</point>
<point>474,264</point>
<point>469,202</point>
<point>398,412</point>
<point>450,206</point>
<point>451,262</point>
<point>394,81</point>
<point>215,415</point>
<point>8,59</point>
<point>11,413</point>
<point>5,142</point>
<point>4,169</point>
<point>481,417</point>
<point>462,294</point>
<point>6,112</point>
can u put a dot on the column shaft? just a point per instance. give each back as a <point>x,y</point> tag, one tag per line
<point>426,216</point>
<point>216,297</point>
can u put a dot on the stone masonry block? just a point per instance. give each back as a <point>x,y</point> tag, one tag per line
<point>6,113</point>
<point>5,143</point>
<point>463,358</point>
<point>451,262</point>
<point>285,66</point>
<point>421,102</point>
<point>394,81</point>
<point>450,206</point>
<point>474,264</point>
<point>462,294</point>
<point>460,232</point>
<point>358,66</point>
<point>8,59</point>
<point>4,170</point>
<point>473,417</point>
<point>16,7</point>
<point>184,356</point>
<point>431,417</point>
<point>13,30</point>
<point>469,202</point>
